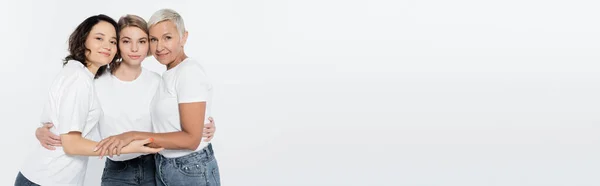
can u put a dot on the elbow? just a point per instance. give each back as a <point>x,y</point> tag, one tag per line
<point>70,144</point>
<point>193,144</point>
<point>68,149</point>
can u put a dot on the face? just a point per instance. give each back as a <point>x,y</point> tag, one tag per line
<point>101,44</point>
<point>133,45</point>
<point>166,44</point>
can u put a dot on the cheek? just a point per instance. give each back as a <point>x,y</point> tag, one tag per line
<point>172,46</point>
<point>144,47</point>
<point>123,48</point>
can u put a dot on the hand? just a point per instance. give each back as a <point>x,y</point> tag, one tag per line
<point>209,130</point>
<point>112,145</point>
<point>140,146</point>
<point>47,139</point>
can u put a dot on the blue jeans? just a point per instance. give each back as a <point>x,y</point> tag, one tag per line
<point>197,169</point>
<point>23,181</point>
<point>137,171</point>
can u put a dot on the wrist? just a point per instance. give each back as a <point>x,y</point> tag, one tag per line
<point>129,136</point>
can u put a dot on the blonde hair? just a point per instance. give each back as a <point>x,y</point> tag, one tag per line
<point>168,15</point>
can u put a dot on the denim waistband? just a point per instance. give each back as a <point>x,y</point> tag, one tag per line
<point>206,151</point>
<point>139,159</point>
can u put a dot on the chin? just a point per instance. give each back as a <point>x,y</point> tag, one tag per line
<point>164,62</point>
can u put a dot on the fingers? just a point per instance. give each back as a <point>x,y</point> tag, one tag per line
<point>152,150</point>
<point>114,151</point>
<point>210,124</point>
<point>48,146</point>
<point>53,144</point>
<point>119,148</point>
<point>48,125</point>
<point>104,148</point>
<point>55,137</point>
<point>208,138</point>
<point>149,140</point>
<point>101,143</point>
<point>112,148</point>
<point>208,132</point>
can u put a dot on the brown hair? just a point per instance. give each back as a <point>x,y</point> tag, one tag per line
<point>77,40</point>
<point>124,22</point>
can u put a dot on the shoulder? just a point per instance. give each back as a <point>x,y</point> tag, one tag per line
<point>191,67</point>
<point>72,77</point>
<point>103,80</point>
<point>74,73</point>
<point>150,74</point>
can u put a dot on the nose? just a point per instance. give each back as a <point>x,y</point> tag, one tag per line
<point>107,45</point>
<point>135,47</point>
<point>159,46</point>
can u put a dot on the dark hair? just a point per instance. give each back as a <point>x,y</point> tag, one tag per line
<point>124,22</point>
<point>77,40</point>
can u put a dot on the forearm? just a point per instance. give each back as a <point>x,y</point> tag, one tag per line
<point>170,140</point>
<point>77,145</point>
<point>73,145</point>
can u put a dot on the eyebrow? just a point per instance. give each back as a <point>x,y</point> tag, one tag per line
<point>168,33</point>
<point>114,37</point>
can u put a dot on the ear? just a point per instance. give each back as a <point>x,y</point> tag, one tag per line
<point>184,38</point>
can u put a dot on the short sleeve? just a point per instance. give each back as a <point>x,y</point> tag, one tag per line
<point>73,104</point>
<point>192,84</point>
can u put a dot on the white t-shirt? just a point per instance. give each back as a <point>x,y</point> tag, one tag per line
<point>126,105</point>
<point>72,106</point>
<point>184,83</point>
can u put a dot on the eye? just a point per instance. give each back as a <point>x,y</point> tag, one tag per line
<point>168,37</point>
<point>125,41</point>
<point>153,40</point>
<point>99,39</point>
<point>143,41</point>
<point>113,42</point>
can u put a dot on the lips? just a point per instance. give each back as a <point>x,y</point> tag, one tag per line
<point>161,55</point>
<point>106,54</point>
<point>134,56</point>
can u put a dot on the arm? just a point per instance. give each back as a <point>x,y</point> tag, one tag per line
<point>75,144</point>
<point>192,119</point>
<point>124,138</point>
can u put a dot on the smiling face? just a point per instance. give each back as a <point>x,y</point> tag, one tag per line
<point>101,44</point>
<point>133,45</point>
<point>166,43</point>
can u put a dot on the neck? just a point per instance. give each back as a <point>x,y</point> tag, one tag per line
<point>93,68</point>
<point>127,72</point>
<point>177,60</point>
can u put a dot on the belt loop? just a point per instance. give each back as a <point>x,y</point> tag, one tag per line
<point>210,149</point>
